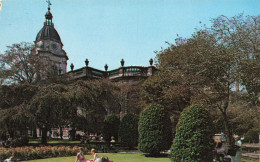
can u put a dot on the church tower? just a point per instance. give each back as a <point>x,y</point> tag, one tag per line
<point>49,47</point>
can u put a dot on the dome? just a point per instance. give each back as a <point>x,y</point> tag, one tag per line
<point>48,32</point>
<point>48,15</point>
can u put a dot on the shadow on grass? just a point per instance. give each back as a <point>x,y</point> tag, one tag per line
<point>157,155</point>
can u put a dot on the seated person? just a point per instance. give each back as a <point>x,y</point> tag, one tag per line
<point>80,156</point>
<point>96,158</point>
<point>9,159</point>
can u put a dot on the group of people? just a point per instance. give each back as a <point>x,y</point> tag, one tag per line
<point>222,152</point>
<point>81,158</point>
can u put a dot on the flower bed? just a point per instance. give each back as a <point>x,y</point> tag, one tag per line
<point>31,153</point>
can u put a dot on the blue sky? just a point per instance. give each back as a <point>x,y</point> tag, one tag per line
<point>105,31</point>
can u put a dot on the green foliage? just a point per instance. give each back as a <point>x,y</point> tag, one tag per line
<point>204,68</point>
<point>15,95</point>
<point>50,108</point>
<point>94,97</point>
<point>252,136</point>
<point>128,130</point>
<point>155,132</point>
<point>193,139</point>
<point>111,127</point>
<point>13,103</point>
<point>31,153</point>
<point>19,65</point>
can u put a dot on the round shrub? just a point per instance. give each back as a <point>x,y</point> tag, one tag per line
<point>252,136</point>
<point>110,127</point>
<point>154,127</point>
<point>193,139</point>
<point>128,130</point>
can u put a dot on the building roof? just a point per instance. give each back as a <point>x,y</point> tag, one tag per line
<point>48,31</point>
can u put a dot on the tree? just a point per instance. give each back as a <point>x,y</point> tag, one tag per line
<point>206,67</point>
<point>128,97</point>
<point>95,99</point>
<point>244,117</point>
<point>155,132</point>
<point>193,139</point>
<point>241,36</point>
<point>128,130</point>
<point>19,65</point>
<point>50,108</point>
<point>13,104</point>
<point>111,127</point>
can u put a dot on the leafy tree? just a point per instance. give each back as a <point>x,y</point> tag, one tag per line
<point>14,95</point>
<point>111,127</point>
<point>241,35</point>
<point>95,99</point>
<point>155,132</point>
<point>19,65</point>
<point>13,104</point>
<point>193,139</point>
<point>128,97</point>
<point>50,108</point>
<point>13,120</point>
<point>205,68</point>
<point>244,116</point>
<point>128,130</point>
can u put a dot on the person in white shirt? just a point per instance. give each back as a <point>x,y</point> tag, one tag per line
<point>238,145</point>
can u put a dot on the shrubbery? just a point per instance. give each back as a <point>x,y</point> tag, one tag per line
<point>252,136</point>
<point>155,132</point>
<point>31,153</point>
<point>128,130</point>
<point>110,127</point>
<point>193,140</point>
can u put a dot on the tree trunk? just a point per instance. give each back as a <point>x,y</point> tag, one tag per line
<point>44,135</point>
<point>34,133</point>
<point>73,134</point>
<point>61,133</point>
<point>227,128</point>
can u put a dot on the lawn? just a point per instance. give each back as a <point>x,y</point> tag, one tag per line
<point>54,142</point>
<point>125,157</point>
<point>116,157</point>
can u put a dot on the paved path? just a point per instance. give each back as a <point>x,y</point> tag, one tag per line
<point>255,155</point>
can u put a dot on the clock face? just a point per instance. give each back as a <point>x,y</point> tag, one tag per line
<point>54,47</point>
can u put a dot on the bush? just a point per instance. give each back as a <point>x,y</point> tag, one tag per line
<point>252,136</point>
<point>154,127</point>
<point>110,128</point>
<point>128,130</point>
<point>31,153</point>
<point>193,140</point>
<point>21,141</point>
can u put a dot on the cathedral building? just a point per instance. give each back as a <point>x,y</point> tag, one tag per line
<point>49,47</point>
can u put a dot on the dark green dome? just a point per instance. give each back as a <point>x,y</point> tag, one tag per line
<point>48,32</point>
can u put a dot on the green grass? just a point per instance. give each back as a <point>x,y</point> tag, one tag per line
<point>116,157</point>
<point>125,157</point>
<point>54,142</point>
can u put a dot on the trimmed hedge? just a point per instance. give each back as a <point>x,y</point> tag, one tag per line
<point>128,130</point>
<point>110,127</point>
<point>193,140</point>
<point>32,153</point>
<point>155,132</point>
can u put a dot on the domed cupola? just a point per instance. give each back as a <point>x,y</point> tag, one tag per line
<point>49,47</point>
<point>48,32</point>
